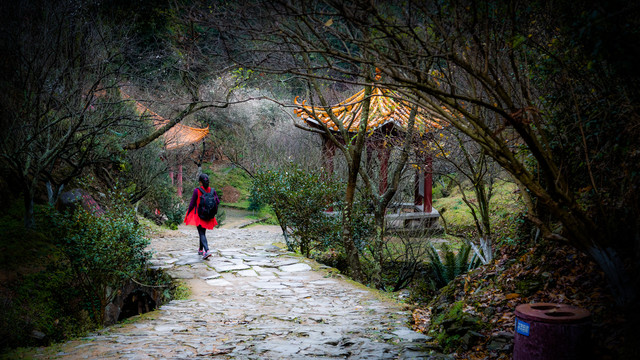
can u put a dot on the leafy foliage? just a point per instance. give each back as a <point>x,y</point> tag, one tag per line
<point>450,265</point>
<point>103,250</point>
<point>163,198</point>
<point>299,200</point>
<point>38,293</point>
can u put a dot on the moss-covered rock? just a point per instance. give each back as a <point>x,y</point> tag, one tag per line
<point>454,328</point>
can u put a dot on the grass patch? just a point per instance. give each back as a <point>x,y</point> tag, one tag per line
<point>267,213</point>
<point>181,292</point>
<point>151,229</point>
<point>242,204</point>
<point>230,176</point>
<point>235,177</point>
<point>505,206</point>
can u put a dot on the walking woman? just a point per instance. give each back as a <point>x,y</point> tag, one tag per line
<point>192,217</point>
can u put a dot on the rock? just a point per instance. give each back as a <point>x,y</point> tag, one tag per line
<point>210,276</point>
<point>272,248</point>
<point>39,335</point>
<point>189,260</point>
<point>502,341</point>
<point>406,334</point>
<point>111,314</point>
<point>181,274</point>
<point>267,285</point>
<point>295,268</point>
<point>69,200</point>
<point>247,273</point>
<point>229,266</point>
<point>170,328</point>
<point>469,339</point>
<point>218,282</point>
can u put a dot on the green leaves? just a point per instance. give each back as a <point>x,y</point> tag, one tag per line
<point>299,199</point>
<point>103,250</point>
<point>450,265</point>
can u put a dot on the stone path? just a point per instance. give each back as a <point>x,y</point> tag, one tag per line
<point>252,300</point>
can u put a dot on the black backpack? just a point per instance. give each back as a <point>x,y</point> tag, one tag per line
<point>208,207</point>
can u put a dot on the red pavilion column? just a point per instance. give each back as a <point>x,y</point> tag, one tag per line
<point>180,181</point>
<point>328,152</point>
<point>428,184</point>
<point>424,191</point>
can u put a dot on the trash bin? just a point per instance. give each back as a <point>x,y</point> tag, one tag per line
<point>551,331</point>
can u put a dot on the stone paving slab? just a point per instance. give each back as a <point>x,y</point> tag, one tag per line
<point>295,267</point>
<point>253,300</point>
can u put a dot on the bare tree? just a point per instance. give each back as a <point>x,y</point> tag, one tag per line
<point>58,104</point>
<point>61,106</point>
<point>468,163</point>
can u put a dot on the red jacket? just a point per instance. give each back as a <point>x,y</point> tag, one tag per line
<point>192,218</point>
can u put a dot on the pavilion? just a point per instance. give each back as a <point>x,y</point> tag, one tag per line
<point>388,119</point>
<point>175,138</point>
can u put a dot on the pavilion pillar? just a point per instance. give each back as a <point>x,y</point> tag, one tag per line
<point>424,192</point>
<point>428,184</point>
<point>180,181</point>
<point>328,152</point>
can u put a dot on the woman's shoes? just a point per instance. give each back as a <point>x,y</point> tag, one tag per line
<point>206,255</point>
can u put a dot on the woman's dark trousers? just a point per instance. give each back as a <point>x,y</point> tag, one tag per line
<point>203,238</point>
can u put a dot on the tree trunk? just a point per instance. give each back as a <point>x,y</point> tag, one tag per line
<point>354,159</point>
<point>347,227</point>
<point>378,248</point>
<point>52,193</point>
<point>623,289</point>
<point>29,219</point>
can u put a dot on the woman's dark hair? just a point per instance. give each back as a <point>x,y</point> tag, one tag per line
<point>204,179</point>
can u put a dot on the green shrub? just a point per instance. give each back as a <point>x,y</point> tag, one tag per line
<point>103,251</point>
<point>451,264</point>
<point>164,199</point>
<point>299,199</point>
<point>40,300</point>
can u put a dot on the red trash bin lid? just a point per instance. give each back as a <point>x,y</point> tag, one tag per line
<point>552,313</point>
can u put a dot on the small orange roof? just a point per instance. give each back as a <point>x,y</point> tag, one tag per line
<point>180,135</point>
<point>176,137</point>
<point>385,108</point>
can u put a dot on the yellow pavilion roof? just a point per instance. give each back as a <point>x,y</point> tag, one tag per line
<point>385,108</point>
<point>179,135</point>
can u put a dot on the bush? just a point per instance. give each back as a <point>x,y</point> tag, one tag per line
<point>403,257</point>
<point>299,199</point>
<point>444,271</point>
<point>164,199</point>
<point>40,302</point>
<point>103,251</point>
<point>39,299</point>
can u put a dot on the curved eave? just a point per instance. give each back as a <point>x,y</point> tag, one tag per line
<point>384,110</point>
<point>176,137</point>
